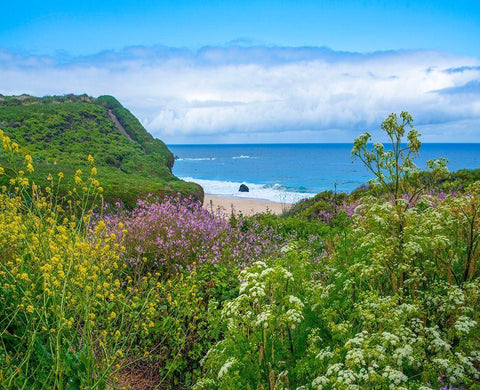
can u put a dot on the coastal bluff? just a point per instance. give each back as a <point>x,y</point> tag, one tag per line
<point>61,131</point>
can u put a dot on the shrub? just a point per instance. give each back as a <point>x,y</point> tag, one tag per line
<point>178,234</point>
<point>66,309</point>
<point>393,303</point>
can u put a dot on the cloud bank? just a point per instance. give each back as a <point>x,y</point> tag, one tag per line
<point>265,94</point>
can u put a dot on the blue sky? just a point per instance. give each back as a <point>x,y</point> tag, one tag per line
<point>255,71</point>
<point>86,27</point>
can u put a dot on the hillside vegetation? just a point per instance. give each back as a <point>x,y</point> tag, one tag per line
<point>378,292</point>
<point>60,131</point>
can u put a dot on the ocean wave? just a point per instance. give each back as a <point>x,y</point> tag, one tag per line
<point>196,158</point>
<point>271,192</point>
<point>242,156</point>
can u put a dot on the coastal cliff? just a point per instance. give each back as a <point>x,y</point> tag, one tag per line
<point>61,131</point>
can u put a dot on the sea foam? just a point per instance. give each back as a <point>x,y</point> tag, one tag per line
<point>272,193</point>
<point>196,159</point>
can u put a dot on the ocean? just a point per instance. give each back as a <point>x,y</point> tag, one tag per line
<point>289,172</point>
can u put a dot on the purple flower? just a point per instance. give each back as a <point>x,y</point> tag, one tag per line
<point>179,234</point>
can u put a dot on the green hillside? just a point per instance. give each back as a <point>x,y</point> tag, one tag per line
<point>61,131</point>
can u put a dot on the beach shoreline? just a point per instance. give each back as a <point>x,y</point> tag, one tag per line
<point>244,206</point>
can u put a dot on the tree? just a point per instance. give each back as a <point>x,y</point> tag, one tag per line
<point>393,169</point>
<point>397,173</point>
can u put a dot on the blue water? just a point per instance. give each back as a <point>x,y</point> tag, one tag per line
<point>289,172</point>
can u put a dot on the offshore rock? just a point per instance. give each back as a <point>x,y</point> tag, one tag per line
<point>244,188</point>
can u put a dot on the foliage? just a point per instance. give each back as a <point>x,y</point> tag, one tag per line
<point>136,131</point>
<point>195,255</point>
<point>328,207</point>
<point>383,294</point>
<point>179,234</point>
<point>394,168</point>
<point>343,323</point>
<point>266,332</point>
<point>393,302</point>
<point>66,319</point>
<point>58,130</point>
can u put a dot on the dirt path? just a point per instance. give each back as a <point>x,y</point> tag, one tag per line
<point>119,125</point>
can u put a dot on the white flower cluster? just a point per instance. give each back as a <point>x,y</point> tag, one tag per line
<point>355,357</point>
<point>324,354</point>
<point>396,377</point>
<point>288,248</point>
<point>226,366</point>
<point>263,318</point>
<point>293,317</point>
<point>436,341</point>
<point>320,382</point>
<point>464,324</point>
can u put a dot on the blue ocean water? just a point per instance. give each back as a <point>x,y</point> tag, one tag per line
<point>289,172</point>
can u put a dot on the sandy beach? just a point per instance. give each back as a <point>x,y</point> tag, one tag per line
<point>244,206</point>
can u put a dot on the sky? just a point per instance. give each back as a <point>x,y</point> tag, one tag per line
<point>255,71</point>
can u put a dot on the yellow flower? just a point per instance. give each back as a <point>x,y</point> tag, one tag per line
<point>60,175</point>
<point>30,168</point>
<point>100,226</point>
<point>24,276</point>
<point>2,171</point>
<point>28,159</point>
<point>30,309</point>
<point>93,171</point>
<point>113,315</point>
<point>90,159</point>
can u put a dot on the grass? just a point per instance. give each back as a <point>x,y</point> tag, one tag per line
<point>61,130</point>
<point>169,295</point>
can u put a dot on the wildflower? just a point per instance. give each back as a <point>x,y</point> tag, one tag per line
<point>30,309</point>
<point>464,324</point>
<point>226,366</point>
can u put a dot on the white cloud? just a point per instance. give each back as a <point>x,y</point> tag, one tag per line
<point>237,94</point>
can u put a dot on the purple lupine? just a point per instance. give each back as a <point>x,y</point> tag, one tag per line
<point>178,233</point>
<point>350,208</point>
